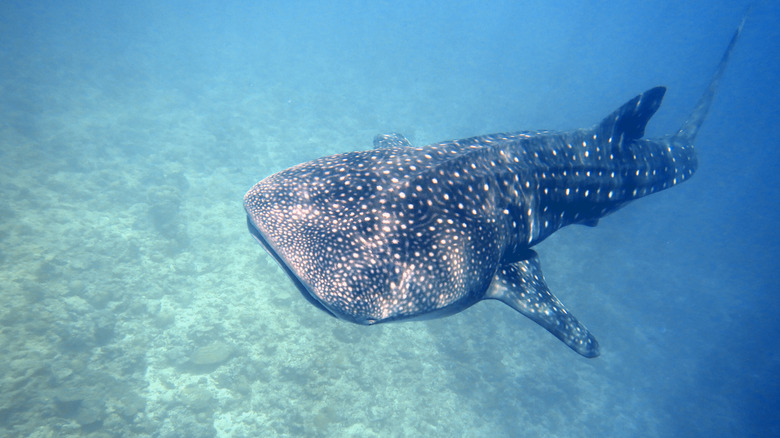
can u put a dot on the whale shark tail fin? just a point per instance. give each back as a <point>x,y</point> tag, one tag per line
<point>689,129</point>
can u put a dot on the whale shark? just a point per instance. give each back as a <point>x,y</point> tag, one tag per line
<point>402,232</point>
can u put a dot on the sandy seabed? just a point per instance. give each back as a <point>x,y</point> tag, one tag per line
<point>135,302</point>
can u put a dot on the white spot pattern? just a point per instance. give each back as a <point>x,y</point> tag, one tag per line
<point>401,231</point>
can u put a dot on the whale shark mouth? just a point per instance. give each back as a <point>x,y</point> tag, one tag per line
<point>300,284</point>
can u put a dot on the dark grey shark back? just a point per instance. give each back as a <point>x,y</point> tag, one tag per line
<point>402,232</point>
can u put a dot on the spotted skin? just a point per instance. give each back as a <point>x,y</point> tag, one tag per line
<point>402,232</point>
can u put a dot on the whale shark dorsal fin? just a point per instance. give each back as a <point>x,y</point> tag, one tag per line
<point>629,121</point>
<point>521,285</point>
<point>393,140</point>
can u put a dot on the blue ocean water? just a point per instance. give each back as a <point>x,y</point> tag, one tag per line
<point>135,302</point>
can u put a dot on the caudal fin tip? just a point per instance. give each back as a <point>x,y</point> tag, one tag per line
<point>689,129</point>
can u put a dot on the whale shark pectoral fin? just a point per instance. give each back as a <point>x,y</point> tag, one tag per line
<point>521,285</point>
<point>394,140</point>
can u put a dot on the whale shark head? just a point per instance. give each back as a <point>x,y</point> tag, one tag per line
<point>368,242</point>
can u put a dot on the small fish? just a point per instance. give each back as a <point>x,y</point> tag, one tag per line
<point>402,232</point>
